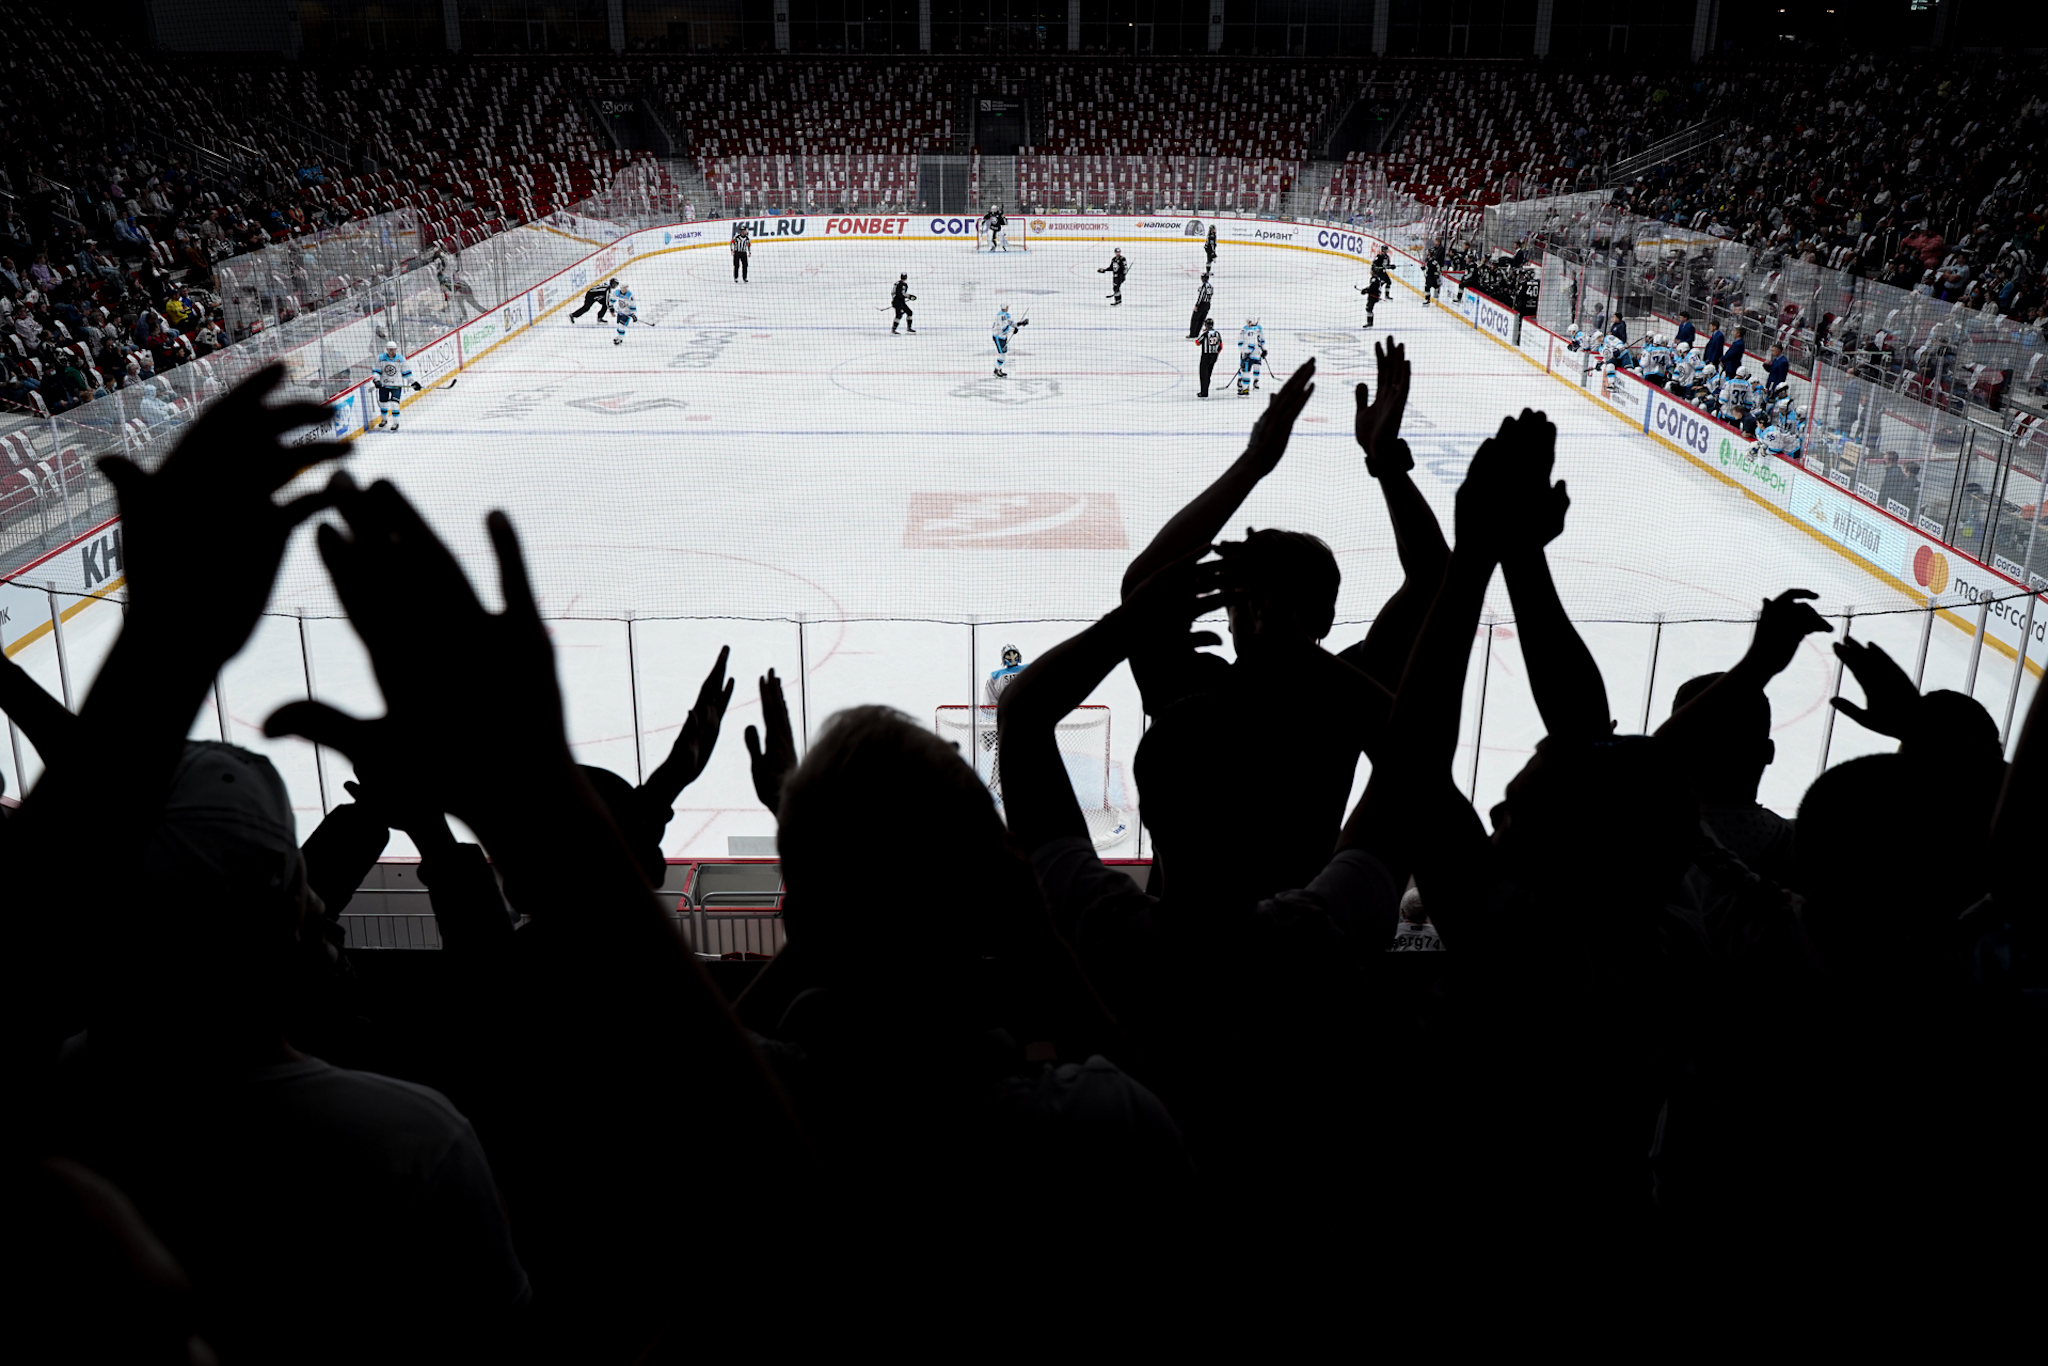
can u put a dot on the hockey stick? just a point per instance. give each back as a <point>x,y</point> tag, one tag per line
<point>449,385</point>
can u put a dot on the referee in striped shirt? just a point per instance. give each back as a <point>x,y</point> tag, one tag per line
<point>1211,342</point>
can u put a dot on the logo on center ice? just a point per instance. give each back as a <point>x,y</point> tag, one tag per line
<point>1014,521</point>
<point>623,404</point>
<point>1009,390</point>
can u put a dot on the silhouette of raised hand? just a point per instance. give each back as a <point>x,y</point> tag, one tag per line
<point>203,529</point>
<point>474,711</point>
<point>1378,424</point>
<point>1785,621</point>
<point>1161,607</point>
<point>1891,703</point>
<point>698,737</point>
<point>1507,503</point>
<point>771,763</point>
<point>1275,426</point>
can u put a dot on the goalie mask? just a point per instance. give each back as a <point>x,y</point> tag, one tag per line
<point>1012,656</point>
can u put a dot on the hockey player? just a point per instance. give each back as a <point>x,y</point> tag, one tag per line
<point>1201,313</point>
<point>1382,265</point>
<point>392,372</point>
<point>996,227</point>
<point>1209,250</point>
<point>625,310</point>
<point>999,680</point>
<point>1432,278</point>
<point>1000,332</point>
<point>598,297</point>
<point>1251,354</point>
<point>1781,434</point>
<point>1735,409</point>
<point>1372,298</point>
<point>1614,352</point>
<point>742,248</point>
<point>1684,371</point>
<point>1117,268</point>
<point>1574,337</point>
<point>899,299</point>
<point>1656,361</point>
<point>1211,342</point>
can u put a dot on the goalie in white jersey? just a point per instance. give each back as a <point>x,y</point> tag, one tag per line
<point>391,372</point>
<point>1000,332</point>
<point>999,680</point>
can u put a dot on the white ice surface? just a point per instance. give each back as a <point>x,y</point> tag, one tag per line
<point>765,451</point>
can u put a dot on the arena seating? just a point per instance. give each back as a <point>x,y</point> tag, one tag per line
<point>192,164</point>
<point>1258,111</point>
<point>796,106</point>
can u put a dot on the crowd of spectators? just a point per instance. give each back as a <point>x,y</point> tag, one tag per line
<point>114,222</point>
<point>1924,176</point>
<point>1647,1044</point>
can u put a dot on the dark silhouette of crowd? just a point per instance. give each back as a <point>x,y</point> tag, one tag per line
<point>1673,1046</point>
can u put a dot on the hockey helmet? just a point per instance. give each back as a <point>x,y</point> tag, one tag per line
<point>1003,311</point>
<point>1684,348</point>
<point>1012,656</point>
<point>904,276</point>
<point>614,280</point>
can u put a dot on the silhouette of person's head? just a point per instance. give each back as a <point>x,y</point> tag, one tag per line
<point>1866,897</point>
<point>1291,581</point>
<point>873,786</point>
<point>1730,758</point>
<point>232,933</point>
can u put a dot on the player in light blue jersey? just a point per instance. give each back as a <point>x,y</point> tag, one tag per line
<point>1251,354</point>
<point>625,308</point>
<point>1685,370</point>
<point>1783,434</point>
<point>1000,332</point>
<point>1657,360</point>
<point>391,372</point>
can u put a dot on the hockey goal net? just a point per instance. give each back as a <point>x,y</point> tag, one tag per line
<point>1084,745</point>
<point>1012,237</point>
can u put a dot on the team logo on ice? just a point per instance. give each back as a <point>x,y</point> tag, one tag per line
<point>623,404</point>
<point>1009,390</point>
<point>1014,521</point>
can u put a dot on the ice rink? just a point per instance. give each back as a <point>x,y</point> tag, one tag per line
<point>764,465</point>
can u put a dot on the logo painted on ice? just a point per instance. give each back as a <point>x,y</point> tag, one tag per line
<point>624,404</point>
<point>1014,521</point>
<point>705,347</point>
<point>1009,390</point>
